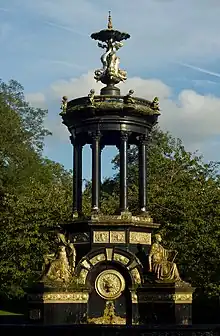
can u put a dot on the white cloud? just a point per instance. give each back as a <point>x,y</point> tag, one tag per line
<point>192,117</point>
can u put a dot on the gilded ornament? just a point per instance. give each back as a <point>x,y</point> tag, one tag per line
<point>64,104</point>
<point>86,264</point>
<point>82,276</point>
<point>59,266</point>
<point>109,316</point>
<point>110,284</point>
<point>140,238</point>
<point>134,298</point>
<point>117,237</point>
<point>120,258</point>
<point>155,104</point>
<point>136,276</point>
<point>161,262</point>
<point>60,297</point>
<point>110,41</point>
<point>98,258</point>
<point>128,98</point>
<point>91,96</point>
<point>109,253</point>
<point>101,237</point>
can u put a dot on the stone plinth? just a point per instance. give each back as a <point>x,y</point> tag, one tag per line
<point>165,304</point>
<point>57,307</point>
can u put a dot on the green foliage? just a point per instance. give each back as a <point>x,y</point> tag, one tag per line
<point>35,193</point>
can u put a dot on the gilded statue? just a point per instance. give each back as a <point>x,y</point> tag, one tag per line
<point>59,266</point>
<point>110,62</point>
<point>161,262</point>
<point>155,104</point>
<point>128,98</point>
<point>111,41</point>
<point>109,316</point>
<point>64,104</point>
<point>91,96</point>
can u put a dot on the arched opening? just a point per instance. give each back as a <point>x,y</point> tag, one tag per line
<point>97,302</point>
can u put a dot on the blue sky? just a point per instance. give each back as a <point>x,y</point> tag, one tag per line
<point>173,53</point>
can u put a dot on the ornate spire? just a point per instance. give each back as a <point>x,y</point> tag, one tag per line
<point>110,26</point>
<point>110,73</point>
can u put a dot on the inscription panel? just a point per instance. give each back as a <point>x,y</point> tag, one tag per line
<point>140,238</point>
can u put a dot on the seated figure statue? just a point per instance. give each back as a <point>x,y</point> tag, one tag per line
<point>59,268</point>
<point>161,262</point>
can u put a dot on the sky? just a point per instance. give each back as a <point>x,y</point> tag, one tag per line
<point>173,53</point>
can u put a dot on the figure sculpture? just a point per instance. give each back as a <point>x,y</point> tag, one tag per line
<point>91,96</point>
<point>161,262</point>
<point>109,316</point>
<point>128,98</point>
<point>64,104</point>
<point>59,269</point>
<point>110,63</point>
<point>155,104</point>
<point>59,266</point>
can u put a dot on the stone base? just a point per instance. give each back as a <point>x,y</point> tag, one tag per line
<point>165,304</point>
<point>57,307</point>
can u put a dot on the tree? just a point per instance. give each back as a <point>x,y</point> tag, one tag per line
<point>26,222</point>
<point>35,193</point>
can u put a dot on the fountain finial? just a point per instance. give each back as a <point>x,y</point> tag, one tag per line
<point>110,26</point>
<point>110,73</point>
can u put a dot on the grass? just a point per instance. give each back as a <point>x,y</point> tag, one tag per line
<point>3,312</point>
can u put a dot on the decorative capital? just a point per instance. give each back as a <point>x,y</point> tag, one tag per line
<point>124,136</point>
<point>96,135</point>
<point>143,139</point>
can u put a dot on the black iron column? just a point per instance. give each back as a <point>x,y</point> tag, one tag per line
<point>143,174</point>
<point>123,149</point>
<point>96,170</point>
<point>77,177</point>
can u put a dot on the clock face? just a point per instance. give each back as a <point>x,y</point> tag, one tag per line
<point>110,284</point>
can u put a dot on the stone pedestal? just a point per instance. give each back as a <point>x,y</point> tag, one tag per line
<point>57,307</point>
<point>165,304</point>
